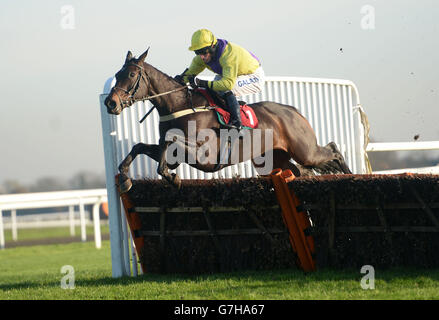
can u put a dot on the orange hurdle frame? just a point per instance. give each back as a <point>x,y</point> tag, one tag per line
<point>295,219</point>
<point>134,223</point>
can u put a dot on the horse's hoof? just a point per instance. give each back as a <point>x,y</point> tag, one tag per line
<point>125,184</point>
<point>176,181</point>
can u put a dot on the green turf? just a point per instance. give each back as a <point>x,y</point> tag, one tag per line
<point>35,273</point>
<point>47,233</point>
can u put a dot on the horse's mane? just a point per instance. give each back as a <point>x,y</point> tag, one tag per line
<point>166,76</point>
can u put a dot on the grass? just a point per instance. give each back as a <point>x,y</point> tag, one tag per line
<point>47,233</point>
<point>35,273</point>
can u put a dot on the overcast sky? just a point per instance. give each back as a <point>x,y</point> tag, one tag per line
<point>52,69</point>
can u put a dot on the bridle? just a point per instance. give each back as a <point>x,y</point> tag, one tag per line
<point>131,100</point>
<point>141,76</point>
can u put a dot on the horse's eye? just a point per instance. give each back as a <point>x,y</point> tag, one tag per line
<point>132,74</point>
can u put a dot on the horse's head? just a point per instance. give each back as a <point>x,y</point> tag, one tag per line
<point>131,84</point>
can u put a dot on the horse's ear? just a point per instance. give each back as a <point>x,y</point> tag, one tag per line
<point>143,56</point>
<point>129,56</point>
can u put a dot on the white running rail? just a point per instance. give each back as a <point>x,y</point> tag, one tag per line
<point>405,146</point>
<point>53,200</point>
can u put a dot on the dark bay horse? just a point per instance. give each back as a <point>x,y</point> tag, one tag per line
<point>284,133</point>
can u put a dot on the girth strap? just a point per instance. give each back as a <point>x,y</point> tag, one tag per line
<point>184,112</point>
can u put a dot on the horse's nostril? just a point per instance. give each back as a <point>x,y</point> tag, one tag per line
<point>112,104</point>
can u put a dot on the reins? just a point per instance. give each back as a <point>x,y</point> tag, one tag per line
<point>155,96</point>
<point>133,100</point>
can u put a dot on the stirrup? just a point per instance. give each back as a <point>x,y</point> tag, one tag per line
<point>232,126</point>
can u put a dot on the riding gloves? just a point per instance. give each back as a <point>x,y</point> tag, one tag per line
<point>179,79</point>
<point>201,83</point>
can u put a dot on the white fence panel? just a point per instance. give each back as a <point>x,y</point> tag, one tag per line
<point>331,107</point>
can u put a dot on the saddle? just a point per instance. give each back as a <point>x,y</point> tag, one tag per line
<point>248,116</point>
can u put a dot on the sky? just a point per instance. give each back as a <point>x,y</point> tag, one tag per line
<point>57,55</point>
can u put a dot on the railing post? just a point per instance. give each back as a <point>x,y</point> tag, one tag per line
<point>72,220</point>
<point>97,224</point>
<point>82,219</point>
<point>2,232</point>
<point>14,224</point>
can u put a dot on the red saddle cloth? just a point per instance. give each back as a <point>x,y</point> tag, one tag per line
<point>248,116</point>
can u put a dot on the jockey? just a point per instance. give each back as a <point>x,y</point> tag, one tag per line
<point>239,71</point>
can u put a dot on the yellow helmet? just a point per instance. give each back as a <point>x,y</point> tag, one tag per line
<point>202,38</point>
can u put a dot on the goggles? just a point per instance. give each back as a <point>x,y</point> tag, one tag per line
<point>204,50</point>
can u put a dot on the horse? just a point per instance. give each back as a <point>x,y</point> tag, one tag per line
<point>182,109</point>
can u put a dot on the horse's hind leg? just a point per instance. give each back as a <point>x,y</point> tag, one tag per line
<point>281,160</point>
<point>339,159</point>
<point>336,164</point>
<point>305,171</point>
<point>324,160</point>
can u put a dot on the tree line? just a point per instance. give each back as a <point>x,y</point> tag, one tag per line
<point>80,180</point>
<point>91,180</point>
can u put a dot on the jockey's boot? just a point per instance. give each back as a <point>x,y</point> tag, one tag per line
<point>234,110</point>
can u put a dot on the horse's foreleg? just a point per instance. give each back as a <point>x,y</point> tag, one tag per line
<point>163,167</point>
<point>151,150</point>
